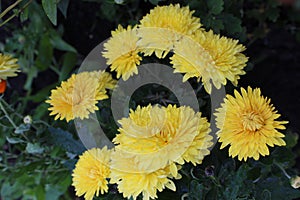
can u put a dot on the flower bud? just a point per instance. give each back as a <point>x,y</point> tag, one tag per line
<point>295,182</point>
<point>27,119</point>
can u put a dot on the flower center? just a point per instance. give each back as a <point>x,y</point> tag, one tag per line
<point>165,137</point>
<point>93,173</point>
<point>252,121</point>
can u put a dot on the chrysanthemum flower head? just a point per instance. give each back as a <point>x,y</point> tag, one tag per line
<point>157,136</point>
<point>8,66</point>
<point>133,182</point>
<point>247,123</point>
<point>164,26</point>
<point>211,58</point>
<point>77,97</point>
<point>122,52</point>
<point>91,173</point>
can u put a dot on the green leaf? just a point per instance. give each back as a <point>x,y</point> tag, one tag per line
<point>232,24</point>
<point>276,188</point>
<point>40,111</point>
<point>273,14</point>
<point>24,15</point>
<point>13,140</point>
<point>34,148</point>
<point>284,155</point>
<point>50,9</point>
<point>45,53</point>
<point>154,2</point>
<point>59,186</point>
<point>215,6</point>
<point>63,7</point>
<point>236,184</point>
<point>10,191</point>
<point>291,139</point>
<point>213,23</point>
<point>66,141</point>
<point>22,128</point>
<point>69,61</point>
<point>53,192</point>
<point>195,190</point>
<point>42,94</point>
<point>31,74</point>
<point>60,44</point>
<point>108,10</point>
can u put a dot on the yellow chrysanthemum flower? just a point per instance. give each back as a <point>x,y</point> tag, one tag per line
<point>157,137</point>
<point>122,52</point>
<point>211,58</point>
<point>164,26</point>
<point>247,123</point>
<point>132,181</point>
<point>77,97</point>
<point>91,173</point>
<point>8,66</point>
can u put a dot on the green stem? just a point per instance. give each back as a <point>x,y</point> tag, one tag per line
<point>215,181</point>
<point>6,114</point>
<point>17,13</point>
<point>11,109</point>
<point>10,8</point>
<point>9,119</point>
<point>283,170</point>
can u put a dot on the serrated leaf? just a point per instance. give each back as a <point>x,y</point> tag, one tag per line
<point>215,6</point>
<point>278,188</point>
<point>34,148</point>
<point>22,128</point>
<point>195,190</point>
<point>13,140</point>
<point>50,8</point>
<point>232,24</point>
<point>66,141</point>
<point>213,23</point>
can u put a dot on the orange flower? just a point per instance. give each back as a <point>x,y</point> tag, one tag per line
<point>2,86</point>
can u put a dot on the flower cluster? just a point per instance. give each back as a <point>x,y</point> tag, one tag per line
<point>153,142</point>
<point>197,53</point>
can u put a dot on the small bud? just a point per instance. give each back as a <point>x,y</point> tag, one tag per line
<point>2,86</point>
<point>119,1</point>
<point>27,120</point>
<point>295,182</point>
<point>209,171</point>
